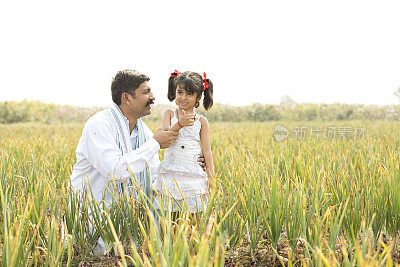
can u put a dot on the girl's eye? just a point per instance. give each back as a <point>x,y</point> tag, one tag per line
<point>190,93</point>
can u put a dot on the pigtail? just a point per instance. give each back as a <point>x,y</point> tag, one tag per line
<point>172,85</point>
<point>208,95</point>
<point>171,88</point>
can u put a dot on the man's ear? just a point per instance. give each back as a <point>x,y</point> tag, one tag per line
<point>125,99</point>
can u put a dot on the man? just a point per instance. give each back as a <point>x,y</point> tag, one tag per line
<point>116,144</point>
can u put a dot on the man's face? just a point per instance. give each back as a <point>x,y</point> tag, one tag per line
<point>140,102</point>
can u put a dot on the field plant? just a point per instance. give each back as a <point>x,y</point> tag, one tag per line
<point>309,201</point>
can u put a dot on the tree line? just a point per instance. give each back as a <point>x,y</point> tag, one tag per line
<point>36,111</point>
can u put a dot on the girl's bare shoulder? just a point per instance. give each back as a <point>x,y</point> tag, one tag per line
<point>203,120</point>
<point>169,111</point>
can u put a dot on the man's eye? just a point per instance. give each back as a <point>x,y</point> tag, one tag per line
<point>190,93</point>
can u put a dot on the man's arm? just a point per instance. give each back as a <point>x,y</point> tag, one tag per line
<point>102,151</point>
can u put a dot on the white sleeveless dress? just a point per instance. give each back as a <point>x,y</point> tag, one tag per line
<point>181,176</point>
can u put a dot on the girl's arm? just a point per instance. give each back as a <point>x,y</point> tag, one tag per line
<point>166,118</point>
<point>206,148</point>
<point>186,120</point>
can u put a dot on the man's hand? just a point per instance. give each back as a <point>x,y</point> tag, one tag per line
<point>210,184</point>
<point>165,138</point>
<point>186,120</point>
<point>202,162</point>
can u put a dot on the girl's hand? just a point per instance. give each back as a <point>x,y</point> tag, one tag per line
<point>186,120</point>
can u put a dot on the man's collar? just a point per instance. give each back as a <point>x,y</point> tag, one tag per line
<point>135,131</point>
<point>116,107</point>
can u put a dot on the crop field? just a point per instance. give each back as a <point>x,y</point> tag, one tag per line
<point>312,199</point>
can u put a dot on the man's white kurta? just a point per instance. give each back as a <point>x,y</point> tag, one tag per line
<point>99,158</point>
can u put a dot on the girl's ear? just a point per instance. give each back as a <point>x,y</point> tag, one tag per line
<point>171,88</point>
<point>208,95</point>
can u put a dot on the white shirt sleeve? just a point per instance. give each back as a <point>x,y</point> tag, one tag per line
<point>102,151</point>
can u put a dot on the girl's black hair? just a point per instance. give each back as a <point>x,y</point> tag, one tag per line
<point>192,82</point>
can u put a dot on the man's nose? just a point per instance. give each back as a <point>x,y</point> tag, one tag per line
<point>152,97</point>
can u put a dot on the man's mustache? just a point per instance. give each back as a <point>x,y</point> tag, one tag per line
<point>150,102</point>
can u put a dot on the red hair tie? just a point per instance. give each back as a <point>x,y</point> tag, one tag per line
<point>175,73</point>
<point>204,82</point>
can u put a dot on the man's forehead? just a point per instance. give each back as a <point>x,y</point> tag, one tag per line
<point>145,86</point>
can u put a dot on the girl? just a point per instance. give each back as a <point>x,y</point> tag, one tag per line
<point>181,176</point>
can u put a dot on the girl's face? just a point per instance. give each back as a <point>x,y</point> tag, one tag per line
<point>184,99</point>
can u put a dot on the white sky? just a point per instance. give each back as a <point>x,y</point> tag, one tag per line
<point>254,51</point>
